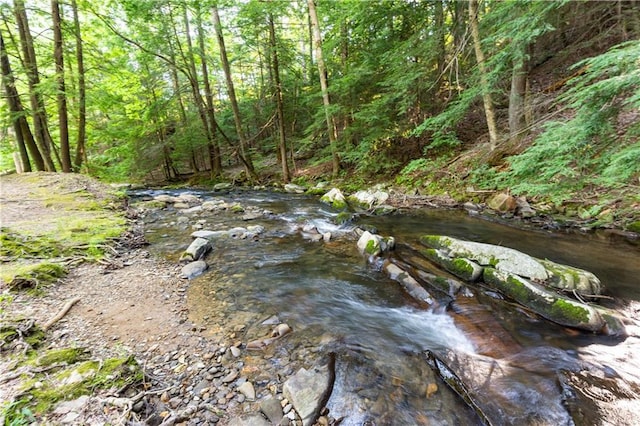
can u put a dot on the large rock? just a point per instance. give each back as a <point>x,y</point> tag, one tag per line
<point>565,277</point>
<point>501,258</point>
<point>307,390</point>
<point>503,394</point>
<point>461,267</point>
<point>550,305</point>
<point>335,198</point>
<point>295,189</point>
<point>193,269</point>
<point>196,250</point>
<point>503,203</point>
<point>368,199</point>
<point>374,244</point>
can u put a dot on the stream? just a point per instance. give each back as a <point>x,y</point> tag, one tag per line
<point>520,368</point>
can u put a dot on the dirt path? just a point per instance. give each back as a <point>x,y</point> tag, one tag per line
<point>133,304</point>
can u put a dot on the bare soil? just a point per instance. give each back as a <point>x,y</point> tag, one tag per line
<point>134,303</point>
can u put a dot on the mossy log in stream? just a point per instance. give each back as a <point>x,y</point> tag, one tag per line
<point>550,305</point>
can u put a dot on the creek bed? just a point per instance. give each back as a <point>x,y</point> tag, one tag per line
<point>339,304</point>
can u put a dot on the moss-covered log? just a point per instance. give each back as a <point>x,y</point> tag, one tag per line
<point>547,304</point>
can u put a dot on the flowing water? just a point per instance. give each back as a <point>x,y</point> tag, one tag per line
<point>339,304</point>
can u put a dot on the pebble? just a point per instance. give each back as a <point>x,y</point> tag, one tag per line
<point>230,377</point>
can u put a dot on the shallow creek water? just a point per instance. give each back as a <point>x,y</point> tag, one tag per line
<point>338,304</point>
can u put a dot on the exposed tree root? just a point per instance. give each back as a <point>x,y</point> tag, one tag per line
<point>60,314</point>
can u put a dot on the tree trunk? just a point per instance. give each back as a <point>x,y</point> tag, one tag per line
<point>38,111</point>
<point>517,121</point>
<point>324,86</point>
<point>24,137</point>
<point>282,145</point>
<point>63,119</point>
<point>82,104</point>
<point>206,113</point>
<point>248,164</point>
<point>484,81</point>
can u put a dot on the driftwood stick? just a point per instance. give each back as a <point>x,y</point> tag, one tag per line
<point>61,314</point>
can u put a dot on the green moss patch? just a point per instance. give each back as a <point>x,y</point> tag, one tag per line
<point>64,355</point>
<point>19,276</point>
<point>44,390</point>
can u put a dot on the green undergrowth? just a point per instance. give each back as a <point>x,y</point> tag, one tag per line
<point>65,374</point>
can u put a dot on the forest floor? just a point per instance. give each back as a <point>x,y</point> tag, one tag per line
<point>128,304</point>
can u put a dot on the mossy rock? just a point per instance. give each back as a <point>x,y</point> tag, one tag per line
<point>634,227</point>
<point>343,217</point>
<point>550,305</point>
<point>461,267</point>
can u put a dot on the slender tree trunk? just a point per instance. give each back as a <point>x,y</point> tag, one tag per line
<point>322,70</point>
<point>484,81</point>
<point>282,145</point>
<point>82,103</point>
<point>24,137</point>
<point>63,118</point>
<point>517,120</point>
<point>248,164</point>
<point>38,111</point>
<point>206,113</point>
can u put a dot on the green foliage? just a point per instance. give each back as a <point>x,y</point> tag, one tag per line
<point>567,154</point>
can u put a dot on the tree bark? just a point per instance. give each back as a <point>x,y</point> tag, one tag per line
<point>248,164</point>
<point>82,103</point>
<point>282,145</point>
<point>484,81</point>
<point>38,112</point>
<point>24,137</point>
<point>324,86</point>
<point>204,108</point>
<point>63,119</point>
<point>517,121</point>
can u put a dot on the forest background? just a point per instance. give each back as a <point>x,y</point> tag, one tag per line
<point>536,98</point>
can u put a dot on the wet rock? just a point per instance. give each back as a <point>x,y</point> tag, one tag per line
<point>411,286</point>
<point>374,244</point>
<point>459,266</point>
<point>293,188</point>
<point>165,198</point>
<point>222,186</point>
<point>271,408</point>
<point>196,250</point>
<point>548,304</point>
<point>209,235</point>
<point>569,278</point>
<point>237,232</point>
<point>212,205</point>
<point>335,198</point>
<point>368,199</point>
<point>487,385</point>
<point>306,390</point>
<point>193,269</point>
<point>189,199</point>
